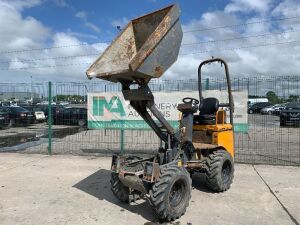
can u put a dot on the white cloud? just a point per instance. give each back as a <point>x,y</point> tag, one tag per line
<point>93,27</point>
<point>20,4</point>
<point>83,16</point>
<point>264,57</point>
<point>208,20</point>
<point>18,32</point>
<point>16,63</point>
<point>122,22</point>
<point>58,64</point>
<point>82,35</point>
<point>70,68</point>
<point>260,6</point>
<point>287,8</point>
<point>60,3</point>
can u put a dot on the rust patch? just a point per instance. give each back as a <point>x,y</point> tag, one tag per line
<point>147,49</point>
<point>130,48</point>
<point>158,71</point>
<point>163,27</point>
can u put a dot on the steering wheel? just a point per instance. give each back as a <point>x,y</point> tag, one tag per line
<point>190,100</point>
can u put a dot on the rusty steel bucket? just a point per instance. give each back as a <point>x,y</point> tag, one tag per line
<point>145,49</point>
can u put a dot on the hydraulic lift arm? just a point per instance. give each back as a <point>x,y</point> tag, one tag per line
<point>142,100</point>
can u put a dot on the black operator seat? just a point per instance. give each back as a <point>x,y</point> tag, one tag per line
<point>208,108</point>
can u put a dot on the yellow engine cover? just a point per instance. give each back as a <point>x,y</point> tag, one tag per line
<point>220,135</point>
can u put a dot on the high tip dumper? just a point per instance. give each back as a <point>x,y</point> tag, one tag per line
<point>203,142</point>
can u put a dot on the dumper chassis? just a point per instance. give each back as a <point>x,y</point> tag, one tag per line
<point>203,141</point>
<point>166,176</point>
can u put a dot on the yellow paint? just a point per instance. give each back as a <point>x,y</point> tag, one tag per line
<point>225,139</point>
<point>179,163</point>
<point>222,135</point>
<point>218,127</point>
<point>179,116</point>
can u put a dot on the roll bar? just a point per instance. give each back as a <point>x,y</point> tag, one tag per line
<point>231,103</point>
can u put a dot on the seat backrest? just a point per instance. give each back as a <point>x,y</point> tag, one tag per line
<point>209,106</point>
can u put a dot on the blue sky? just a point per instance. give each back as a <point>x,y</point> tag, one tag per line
<point>71,34</point>
<point>61,16</point>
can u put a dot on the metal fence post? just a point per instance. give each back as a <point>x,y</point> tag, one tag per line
<point>122,141</point>
<point>207,84</point>
<point>49,118</point>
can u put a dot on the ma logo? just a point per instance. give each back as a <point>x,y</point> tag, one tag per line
<point>113,106</point>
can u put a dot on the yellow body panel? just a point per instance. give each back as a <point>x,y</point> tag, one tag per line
<point>225,140</point>
<point>222,135</point>
<point>218,127</point>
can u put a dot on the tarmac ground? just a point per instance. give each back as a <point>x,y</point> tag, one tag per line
<point>64,189</point>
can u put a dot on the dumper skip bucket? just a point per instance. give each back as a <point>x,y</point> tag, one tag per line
<point>145,49</point>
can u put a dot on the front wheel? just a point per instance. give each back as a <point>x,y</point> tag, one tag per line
<point>220,170</point>
<point>171,194</point>
<point>122,192</point>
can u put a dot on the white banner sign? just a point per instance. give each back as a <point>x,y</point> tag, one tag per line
<point>110,110</point>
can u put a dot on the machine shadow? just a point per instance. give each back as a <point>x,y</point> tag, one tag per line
<point>98,185</point>
<point>198,182</point>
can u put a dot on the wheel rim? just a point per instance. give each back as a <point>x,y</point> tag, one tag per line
<point>226,171</point>
<point>81,123</point>
<point>177,193</point>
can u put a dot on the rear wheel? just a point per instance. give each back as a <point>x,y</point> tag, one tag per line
<point>81,123</point>
<point>122,192</point>
<point>12,123</point>
<point>220,170</point>
<point>171,194</point>
<point>282,122</point>
<point>251,111</point>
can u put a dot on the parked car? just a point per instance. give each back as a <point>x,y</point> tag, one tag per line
<point>71,116</point>
<point>19,115</point>
<point>64,103</point>
<point>272,109</point>
<point>8,103</point>
<point>290,115</point>
<point>38,113</point>
<point>45,103</point>
<point>252,101</point>
<point>4,118</point>
<point>267,110</point>
<point>257,107</point>
<point>278,109</point>
<point>55,110</point>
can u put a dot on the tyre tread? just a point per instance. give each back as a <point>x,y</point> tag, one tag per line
<point>213,164</point>
<point>122,192</point>
<point>157,192</point>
